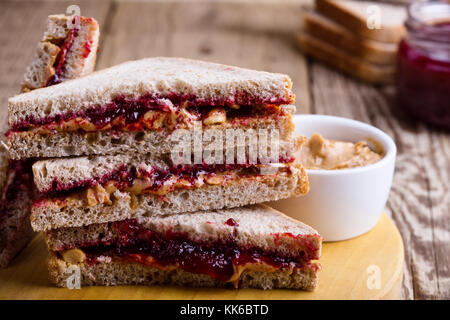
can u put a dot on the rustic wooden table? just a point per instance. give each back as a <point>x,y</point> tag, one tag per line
<point>262,37</point>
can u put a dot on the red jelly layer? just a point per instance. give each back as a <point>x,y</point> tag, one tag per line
<point>133,110</point>
<point>216,259</point>
<point>232,223</point>
<point>87,49</point>
<point>124,175</point>
<point>60,62</point>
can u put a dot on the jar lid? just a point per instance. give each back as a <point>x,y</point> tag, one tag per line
<point>430,20</point>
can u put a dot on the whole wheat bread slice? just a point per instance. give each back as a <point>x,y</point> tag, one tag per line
<point>156,142</point>
<point>328,31</point>
<point>274,232</point>
<point>354,15</point>
<point>80,59</point>
<point>333,56</point>
<point>120,273</point>
<point>56,213</point>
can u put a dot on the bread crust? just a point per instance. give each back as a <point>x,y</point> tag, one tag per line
<point>121,273</point>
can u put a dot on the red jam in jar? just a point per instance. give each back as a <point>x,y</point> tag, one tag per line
<point>423,77</point>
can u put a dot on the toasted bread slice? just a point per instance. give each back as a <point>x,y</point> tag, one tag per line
<point>221,246</point>
<point>356,67</point>
<point>355,15</point>
<point>328,31</point>
<point>66,51</point>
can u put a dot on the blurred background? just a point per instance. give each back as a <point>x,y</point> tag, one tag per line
<point>263,35</point>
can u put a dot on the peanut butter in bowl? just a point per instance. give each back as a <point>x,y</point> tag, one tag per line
<point>322,154</point>
<point>350,175</point>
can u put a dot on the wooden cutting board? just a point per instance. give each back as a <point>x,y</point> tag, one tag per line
<point>367,267</point>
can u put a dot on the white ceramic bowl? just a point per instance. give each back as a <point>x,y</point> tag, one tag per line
<point>343,204</point>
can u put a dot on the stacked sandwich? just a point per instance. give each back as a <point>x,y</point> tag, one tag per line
<point>357,37</point>
<point>117,203</point>
<point>67,50</point>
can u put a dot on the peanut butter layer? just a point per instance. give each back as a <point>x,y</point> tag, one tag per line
<point>76,256</point>
<point>157,115</point>
<point>153,182</point>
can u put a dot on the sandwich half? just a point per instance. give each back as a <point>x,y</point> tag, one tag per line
<point>16,191</point>
<point>135,107</point>
<point>68,50</point>
<point>81,191</point>
<point>248,247</point>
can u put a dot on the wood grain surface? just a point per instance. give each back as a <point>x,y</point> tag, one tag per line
<point>419,201</point>
<point>262,36</point>
<point>350,270</point>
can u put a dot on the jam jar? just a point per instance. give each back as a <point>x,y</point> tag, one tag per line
<point>423,75</point>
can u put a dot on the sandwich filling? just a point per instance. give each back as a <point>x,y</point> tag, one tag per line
<point>157,113</point>
<point>224,260</point>
<point>60,61</point>
<point>65,46</point>
<point>147,179</point>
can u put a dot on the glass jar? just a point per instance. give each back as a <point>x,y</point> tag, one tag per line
<point>423,75</point>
